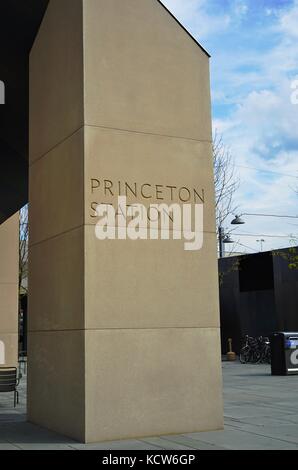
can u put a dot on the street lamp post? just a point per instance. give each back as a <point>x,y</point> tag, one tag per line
<point>223,240</point>
<point>239,221</point>
<point>261,243</point>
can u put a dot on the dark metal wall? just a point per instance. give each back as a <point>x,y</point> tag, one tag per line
<point>19,23</point>
<point>258,295</point>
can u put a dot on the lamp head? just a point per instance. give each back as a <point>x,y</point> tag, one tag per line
<point>237,220</point>
<point>228,239</point>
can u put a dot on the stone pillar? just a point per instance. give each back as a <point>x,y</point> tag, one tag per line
<point>123,335</point>
<point>9,291</point>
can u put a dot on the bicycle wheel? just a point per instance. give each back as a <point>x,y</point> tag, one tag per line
<point>262,356</point>
<point>255,357</point>
<point>268,355</point>
<point>244,355</point>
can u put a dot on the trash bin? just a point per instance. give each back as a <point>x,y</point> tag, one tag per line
<point>284,353</point>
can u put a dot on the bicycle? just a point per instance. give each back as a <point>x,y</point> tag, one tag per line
<point>249,352</point>
<point>265,350</point>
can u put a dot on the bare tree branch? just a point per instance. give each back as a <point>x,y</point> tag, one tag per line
<point>225,181</point>
<point>23,251</point>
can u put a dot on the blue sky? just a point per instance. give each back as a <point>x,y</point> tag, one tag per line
<point>254,49</point>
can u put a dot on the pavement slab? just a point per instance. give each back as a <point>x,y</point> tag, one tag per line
<point>261,413</point>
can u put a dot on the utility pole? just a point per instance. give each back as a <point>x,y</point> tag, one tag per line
<point>221,242</point>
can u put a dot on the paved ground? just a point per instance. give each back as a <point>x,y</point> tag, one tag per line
<point>261,412</point>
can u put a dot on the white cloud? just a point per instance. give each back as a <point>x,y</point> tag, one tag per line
<point>261,127</point>
<point>289,21</point>
<point>240,8</point>
<point>262,133</point>
<point>193,14</point>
